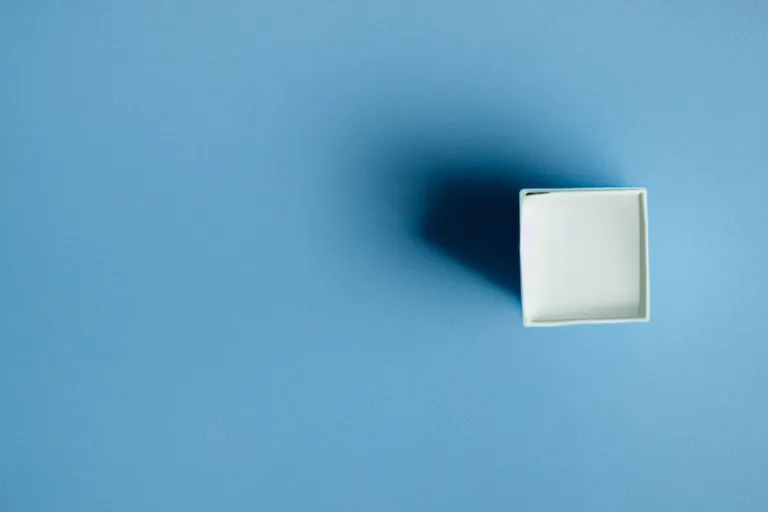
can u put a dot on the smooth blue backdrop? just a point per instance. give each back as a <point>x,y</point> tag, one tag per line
<point>211,297</point>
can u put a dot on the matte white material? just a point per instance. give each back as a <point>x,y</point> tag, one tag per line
<point>584,256</point>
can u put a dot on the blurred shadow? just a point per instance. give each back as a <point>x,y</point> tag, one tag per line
<point>468,210</point>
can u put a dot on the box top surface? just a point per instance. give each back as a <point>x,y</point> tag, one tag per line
<point>583,255</point>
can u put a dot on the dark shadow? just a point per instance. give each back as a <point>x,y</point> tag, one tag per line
<point>468,210</point>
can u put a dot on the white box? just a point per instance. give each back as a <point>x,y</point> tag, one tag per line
<point>584,256</point>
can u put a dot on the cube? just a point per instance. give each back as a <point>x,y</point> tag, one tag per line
<point>584,256</point>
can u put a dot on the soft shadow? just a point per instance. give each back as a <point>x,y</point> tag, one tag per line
<point>468,210</point>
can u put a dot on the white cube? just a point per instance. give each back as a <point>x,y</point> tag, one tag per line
<point>584,256</point>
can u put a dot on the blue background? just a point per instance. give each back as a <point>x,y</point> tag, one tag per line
<point>213,295</point>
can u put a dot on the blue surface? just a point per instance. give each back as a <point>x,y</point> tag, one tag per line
<point>215,293</point>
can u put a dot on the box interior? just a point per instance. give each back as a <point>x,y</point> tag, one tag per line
<point>583,256</point>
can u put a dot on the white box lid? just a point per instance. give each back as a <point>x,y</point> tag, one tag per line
<point>584,256</point>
